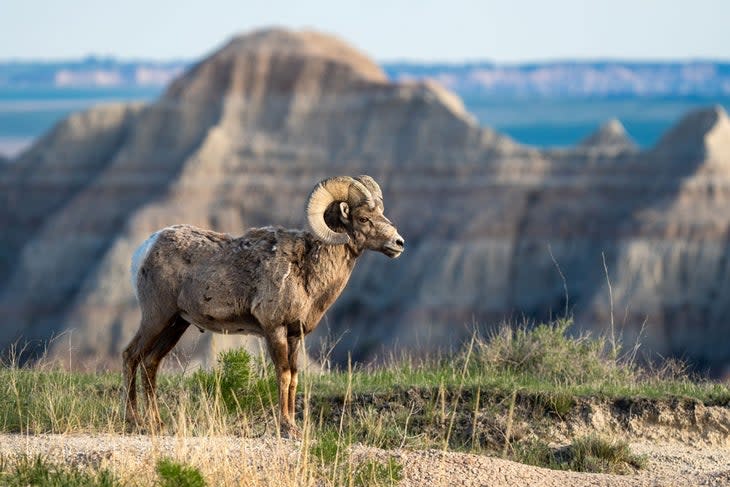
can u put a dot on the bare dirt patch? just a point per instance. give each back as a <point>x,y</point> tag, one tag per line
<point>685,443</point>
<point>271,461</point>
<point>683,421</point>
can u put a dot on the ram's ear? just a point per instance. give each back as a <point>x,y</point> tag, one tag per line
<point>344,212</point>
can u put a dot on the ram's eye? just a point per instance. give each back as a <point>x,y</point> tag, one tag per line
<point>363,219</point>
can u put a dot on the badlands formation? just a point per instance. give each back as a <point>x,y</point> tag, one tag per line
<point>495,230</point>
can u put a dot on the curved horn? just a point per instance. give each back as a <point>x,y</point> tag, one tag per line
<point>340,188</point>
<point>373,187</point>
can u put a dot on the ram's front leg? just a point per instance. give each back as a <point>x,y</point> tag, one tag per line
<point>279,351</point>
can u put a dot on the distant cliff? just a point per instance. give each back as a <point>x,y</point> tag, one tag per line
<point>495,230</point>
<point>575,78</point>
<point>88,72</point>
<point>546,79</point>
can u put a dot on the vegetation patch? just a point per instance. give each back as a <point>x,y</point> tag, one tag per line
<point>237,382</point>
<point>504,394</point>
<point>540,354</point>
<point>596,454</point>
<point>25,471</point>
<point>328,448</point>
<point>587,454</point>
<point>174,474</point>
<point>330,453</point>
<point>376,473</point>
<point>47,400</point>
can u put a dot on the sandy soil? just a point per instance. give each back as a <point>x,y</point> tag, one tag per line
<point>270,461</point>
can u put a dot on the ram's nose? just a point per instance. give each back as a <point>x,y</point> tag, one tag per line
<point>394,247</point>
<point>399,242</point>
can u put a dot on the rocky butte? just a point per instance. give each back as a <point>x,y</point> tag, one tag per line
<point>241,138</point>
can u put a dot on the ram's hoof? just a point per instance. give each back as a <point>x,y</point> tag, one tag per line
<point>155,426</point>
<point>134,427</point>
<point>290,431</point>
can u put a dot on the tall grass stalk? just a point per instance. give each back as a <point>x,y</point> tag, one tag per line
<point>614,348</point>
<point>460,388</point>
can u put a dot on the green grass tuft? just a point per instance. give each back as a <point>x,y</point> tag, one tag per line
<point>587,454</point>
<point>328,448</point>
<point>331,455</point>
<point>596,454</point>
<point>376,474</point>
<point>174,474</point>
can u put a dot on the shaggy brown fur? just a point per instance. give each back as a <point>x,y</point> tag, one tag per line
<point>271,282</point>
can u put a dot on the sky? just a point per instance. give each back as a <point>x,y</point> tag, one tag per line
<point>388,30</point>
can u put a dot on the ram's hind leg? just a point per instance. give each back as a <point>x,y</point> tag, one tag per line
<point>131,357</point>
<point>164,342</point>
<point>151,326</point>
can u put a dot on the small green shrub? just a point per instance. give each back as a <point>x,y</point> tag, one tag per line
<point>174,474</point>
<point>37,471</point>
<point>375,473</point>
<point>236,373</point>
<point>238,382</point>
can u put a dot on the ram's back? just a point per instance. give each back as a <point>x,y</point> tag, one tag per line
<point>216,280</point>
<point>164,260</point>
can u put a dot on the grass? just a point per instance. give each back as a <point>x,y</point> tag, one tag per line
<point>331,457</point>
<point>544,359</point>
<point>37,400</point>
<point>590,453</point>
<point>25,471</point>
<point>175,474</point>
<point>376,473</point>
<point>501,396</point>
<point>239,382</point>
<point>596,454</point>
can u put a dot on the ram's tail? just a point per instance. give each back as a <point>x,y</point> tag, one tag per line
<point>140,255</point>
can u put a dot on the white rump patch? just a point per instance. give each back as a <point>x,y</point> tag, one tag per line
<point>140,255</point>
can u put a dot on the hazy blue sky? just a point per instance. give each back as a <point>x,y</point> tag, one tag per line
<point>455,30</point>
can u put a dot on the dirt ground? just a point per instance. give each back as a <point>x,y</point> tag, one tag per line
<point>272,461</point>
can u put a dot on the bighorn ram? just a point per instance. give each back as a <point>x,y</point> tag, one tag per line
<point>271,282</point>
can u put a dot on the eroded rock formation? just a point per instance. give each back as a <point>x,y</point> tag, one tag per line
<point>241,138</point>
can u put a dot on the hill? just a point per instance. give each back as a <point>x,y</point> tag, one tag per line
<point>495,229</point>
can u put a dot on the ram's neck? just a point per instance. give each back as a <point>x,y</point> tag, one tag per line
<point>328,277</point>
